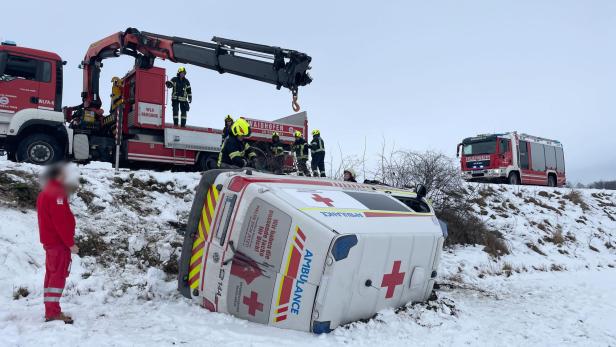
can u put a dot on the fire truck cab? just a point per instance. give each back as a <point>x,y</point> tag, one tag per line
<point>306,254</point>
<point>513,158</point>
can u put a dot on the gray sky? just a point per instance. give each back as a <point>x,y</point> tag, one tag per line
<point>422,75</point>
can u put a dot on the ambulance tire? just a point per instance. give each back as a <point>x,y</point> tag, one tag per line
<point>207,180</point>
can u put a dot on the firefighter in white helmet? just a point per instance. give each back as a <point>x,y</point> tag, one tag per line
<point>349,175</point>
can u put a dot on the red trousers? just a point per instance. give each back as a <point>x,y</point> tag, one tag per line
<point>57,263</point>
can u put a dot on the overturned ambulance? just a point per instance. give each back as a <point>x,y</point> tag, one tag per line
<point>306,254</point>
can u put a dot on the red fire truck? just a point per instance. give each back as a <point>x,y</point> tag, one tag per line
<point>513,158</point>
<point>34,127</point>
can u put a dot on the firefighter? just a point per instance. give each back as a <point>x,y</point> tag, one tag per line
<point>277,151</point>
<point>300,147</point>
<point>57,230</point>
<point>227,129</point>
<point>181,96</point>
<point>235,152</point>
<point>349,175</point>
<point>317,152</point>
<point>116,94</point>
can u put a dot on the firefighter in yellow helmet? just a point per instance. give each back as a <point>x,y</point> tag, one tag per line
<point>277,152</point>
<point>317,151</point>
<point>181,96</point>
<point>300,148</point>
<point>116,94</point>
<point>235,153</point>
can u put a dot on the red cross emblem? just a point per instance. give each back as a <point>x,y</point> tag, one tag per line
<point>253,303</point>
<point>393,279</point>
<point>325,200</point>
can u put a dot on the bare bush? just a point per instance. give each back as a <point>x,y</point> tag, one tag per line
<point>452,201</point>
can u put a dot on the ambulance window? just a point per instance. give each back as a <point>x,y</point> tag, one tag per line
<point>378,201</point>
<point>227,211</point>
<point>414,204</point>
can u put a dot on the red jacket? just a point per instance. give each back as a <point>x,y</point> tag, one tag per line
<point>55,219</point>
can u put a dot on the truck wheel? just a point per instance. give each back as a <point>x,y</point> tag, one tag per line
<point>40,149</point>
<point>513,179</point>
<point>206,162</point>
<point>551,181</point>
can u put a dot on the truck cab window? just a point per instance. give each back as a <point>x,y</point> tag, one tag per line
<point>20,67</point>
<point>504,146</point>
<point>524,155</point>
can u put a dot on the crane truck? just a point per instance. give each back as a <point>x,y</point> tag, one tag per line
<point>34,127</point>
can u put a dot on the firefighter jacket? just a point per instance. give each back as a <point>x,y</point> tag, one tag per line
<point>55,219</point>
<point>181,89</point>
<point>276,148</point>
<point>317,145</point>
<point>300,147</point>
<point>235,152</point>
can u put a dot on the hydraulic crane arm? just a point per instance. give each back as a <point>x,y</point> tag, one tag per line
<point>274,65</point>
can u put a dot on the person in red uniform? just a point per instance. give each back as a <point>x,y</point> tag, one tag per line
<point>57,232</point>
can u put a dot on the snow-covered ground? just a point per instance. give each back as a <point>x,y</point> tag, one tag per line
<point>556,287</point>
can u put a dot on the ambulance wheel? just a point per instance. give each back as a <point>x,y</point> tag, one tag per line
<point>41,149</point>
<point>513,179</point>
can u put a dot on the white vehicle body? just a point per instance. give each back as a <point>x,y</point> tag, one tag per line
<point>306,254</point>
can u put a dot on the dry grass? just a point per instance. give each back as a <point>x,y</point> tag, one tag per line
<point>556,238</point>
<point>535,248</point>
<point>576,197</point>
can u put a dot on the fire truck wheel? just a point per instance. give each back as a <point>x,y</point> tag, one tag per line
<point>206,162</point>
<point>551,181</point>
<point>513,179</point>
<point>40,149</point>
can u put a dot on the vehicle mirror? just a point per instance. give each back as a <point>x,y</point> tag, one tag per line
<point>421,191</point>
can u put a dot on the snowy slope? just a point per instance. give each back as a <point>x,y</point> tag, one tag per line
<point>548,290</point>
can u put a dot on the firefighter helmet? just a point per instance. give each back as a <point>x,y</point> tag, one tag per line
<point>181,69</point>
<point>297,133</point>
<point>316,132</point>
<point>240,128</point>
<point>275,134</point>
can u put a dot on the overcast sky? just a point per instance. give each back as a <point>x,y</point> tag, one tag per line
<point>420,74</point>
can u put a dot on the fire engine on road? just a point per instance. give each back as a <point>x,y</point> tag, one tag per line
<point>34,127</point>
<point>513,158</point>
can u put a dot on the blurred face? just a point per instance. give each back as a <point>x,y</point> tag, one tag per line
<point>347,176</point>
<point>182,74</point>
<point>228,122</point>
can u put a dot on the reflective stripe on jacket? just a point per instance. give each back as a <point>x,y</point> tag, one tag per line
<point>317,145</point>
<point>300,148</point>
<point>181,89</point>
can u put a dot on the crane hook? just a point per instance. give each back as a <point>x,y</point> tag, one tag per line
<point>294,103</point>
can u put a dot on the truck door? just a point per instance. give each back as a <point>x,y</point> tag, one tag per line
<point>19,85</point>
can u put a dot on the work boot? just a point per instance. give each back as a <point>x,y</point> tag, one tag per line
<point>315,174</point>
<point>322,174</point>
<point>62,317</point>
